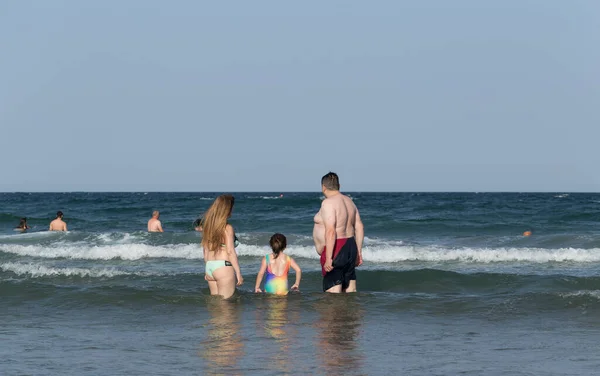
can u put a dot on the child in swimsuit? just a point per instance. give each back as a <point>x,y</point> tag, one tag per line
<point>277,265</point>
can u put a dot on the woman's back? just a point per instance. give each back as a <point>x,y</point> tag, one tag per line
<point>278,266</point>
<point>221,263</point>
<point>277,274</point>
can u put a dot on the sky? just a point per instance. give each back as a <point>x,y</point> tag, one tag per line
<point>144,95</point>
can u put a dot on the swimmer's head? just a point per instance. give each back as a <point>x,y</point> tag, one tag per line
<point>59,214</point>
<point>197,224</point>
<point>155,214</point>
<point>331,182</point>
<point>527,233</point>
<point>278,243</point>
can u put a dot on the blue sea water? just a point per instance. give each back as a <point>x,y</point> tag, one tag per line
<point>449,286</point>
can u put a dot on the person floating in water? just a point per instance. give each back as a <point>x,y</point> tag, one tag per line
<point>58,224</point>
<point>277,268</point>
<point>22,225</point>
<point>154,224</point>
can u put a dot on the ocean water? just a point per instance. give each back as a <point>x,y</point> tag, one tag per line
<point>449,286</point>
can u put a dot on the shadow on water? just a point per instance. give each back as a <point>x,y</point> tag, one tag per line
<point>338,328</point>
<point>224,347</point>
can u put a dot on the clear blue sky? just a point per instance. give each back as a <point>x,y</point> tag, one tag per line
<point>269,96</point>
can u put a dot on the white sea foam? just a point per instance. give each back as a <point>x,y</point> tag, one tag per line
<point>117,238</point>
<point>30,235</point>
<point>590,293</point>
<point>106,252</point>
<point>36,271</point>
<point>389,253</point>
<point>480,255</point>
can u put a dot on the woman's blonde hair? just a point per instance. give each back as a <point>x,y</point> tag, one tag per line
<point>214,222</point>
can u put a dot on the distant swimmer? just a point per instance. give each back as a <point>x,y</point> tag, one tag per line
<point>527,233</point>
<point>154,224</point>
<point>338,234</point>
<point>198,225</point>
<point>58,224</point>
<point>22,225</point>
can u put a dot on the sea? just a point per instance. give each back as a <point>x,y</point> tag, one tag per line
<point>450,285</point>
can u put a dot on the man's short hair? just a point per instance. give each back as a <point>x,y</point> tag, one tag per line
<point>155,213</point>
<point>331,181</point>
<point>59,214</point>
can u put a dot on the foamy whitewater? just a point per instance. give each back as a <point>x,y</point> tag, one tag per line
<point>449,285</point>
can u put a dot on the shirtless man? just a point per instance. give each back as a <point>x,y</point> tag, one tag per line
<point>338,234</point>
<point>154,224</point>
<point>58,224</point>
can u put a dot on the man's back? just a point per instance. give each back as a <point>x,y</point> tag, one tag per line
<point>154,225</point>
<point>345,214</point>
<point>58,225</point>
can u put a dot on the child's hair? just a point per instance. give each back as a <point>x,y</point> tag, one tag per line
<point>278,243</point>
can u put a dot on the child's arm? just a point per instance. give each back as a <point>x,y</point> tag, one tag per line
<point>295,266</point>
<point>261,273</point>
<point>232,255</point>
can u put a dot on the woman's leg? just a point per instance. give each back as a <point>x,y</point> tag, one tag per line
<point>225,277</point>
<point>212,286</point>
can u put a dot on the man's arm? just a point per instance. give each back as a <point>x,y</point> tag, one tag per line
<point>159,227</point>
<point>65,227</point>
<point>329,220</point>
<point>359,235</point>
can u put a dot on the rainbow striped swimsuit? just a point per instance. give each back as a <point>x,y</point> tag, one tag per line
<point>277,284</point>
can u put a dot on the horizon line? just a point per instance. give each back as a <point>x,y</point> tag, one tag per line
<point>301,191</point>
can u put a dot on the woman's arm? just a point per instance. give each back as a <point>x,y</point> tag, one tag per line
<point>261,273</point>
<point>205,256</point>
<point>232,255</point>
<point>298,274</point>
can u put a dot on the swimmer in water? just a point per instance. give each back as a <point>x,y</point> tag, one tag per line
<point>22,225</point>
<point>58,224</point>
<point>222,269</point>
<point>154,224</point>
<point>338,235</point>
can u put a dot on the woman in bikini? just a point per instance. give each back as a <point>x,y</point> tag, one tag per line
<point>221,261</point>
<point>277,265</point>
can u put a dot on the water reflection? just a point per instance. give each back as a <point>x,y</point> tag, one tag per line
<point>279,317</point>
<point>223,348</point>
<point>338,329</point>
